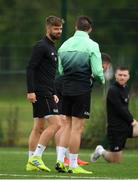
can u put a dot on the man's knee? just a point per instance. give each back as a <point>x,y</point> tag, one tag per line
<point>39,126</point>
<point>54,124</point>
<point>78,125</point>
<point>116,160</point>
<point>78,128</point>
<point>135,130</point>
<point>65,123</point>
<point>38,129</point>
<point>115,157</point>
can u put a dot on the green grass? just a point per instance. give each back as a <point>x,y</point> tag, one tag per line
<point>13,161</point>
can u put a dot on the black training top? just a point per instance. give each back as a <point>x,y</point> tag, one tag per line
<point>59,85</point>
<point>42,68</point>
<point>118,116</point>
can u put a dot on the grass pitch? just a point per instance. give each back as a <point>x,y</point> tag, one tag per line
<point>13,161</point>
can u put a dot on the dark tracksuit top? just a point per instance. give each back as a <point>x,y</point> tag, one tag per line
<point>59,85</point>
<point>42,68</point>
<point>118,116</point>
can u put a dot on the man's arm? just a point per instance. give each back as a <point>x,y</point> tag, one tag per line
<point>60,67</point>
<point>114,99</point>
<point>96,64</point>
<point>36,57</point>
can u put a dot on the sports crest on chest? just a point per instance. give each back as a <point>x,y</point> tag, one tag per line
<point>54,56</point>
<point>125,99</point>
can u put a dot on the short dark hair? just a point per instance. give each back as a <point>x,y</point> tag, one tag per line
<point>105,57</point>
<point>83,23</point>
<point>122,68</point>
<point>54,21</point>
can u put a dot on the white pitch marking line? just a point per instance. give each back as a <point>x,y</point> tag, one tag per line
<point>65,177</point>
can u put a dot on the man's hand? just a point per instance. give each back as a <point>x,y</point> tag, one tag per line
<point>31,97</point>
<point>134,122</point>
<point>56,99</point>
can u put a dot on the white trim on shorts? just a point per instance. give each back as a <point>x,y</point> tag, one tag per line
<point>46,117</point>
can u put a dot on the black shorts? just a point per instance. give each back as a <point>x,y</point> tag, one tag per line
<point>44,106</point>
<point>77,106</point>
<point>117,139</point>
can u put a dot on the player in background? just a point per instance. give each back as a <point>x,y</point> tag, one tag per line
<point>108,71</point>
<point>120,122</point>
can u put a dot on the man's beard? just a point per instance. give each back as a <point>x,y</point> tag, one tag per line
<point>54,37</point>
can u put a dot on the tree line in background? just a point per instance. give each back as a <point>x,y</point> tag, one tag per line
<point>115,27</point>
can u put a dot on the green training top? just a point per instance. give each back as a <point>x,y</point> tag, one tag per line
<point>79,60</point>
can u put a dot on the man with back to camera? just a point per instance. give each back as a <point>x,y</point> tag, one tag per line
<point>63,121</point>
<point>41,72</point>
<point>120,122</point>
<point>106,63</point>
<point>79,58</point>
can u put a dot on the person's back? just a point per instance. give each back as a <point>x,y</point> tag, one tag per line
<point>79,58</point>
<point>76,62</point>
